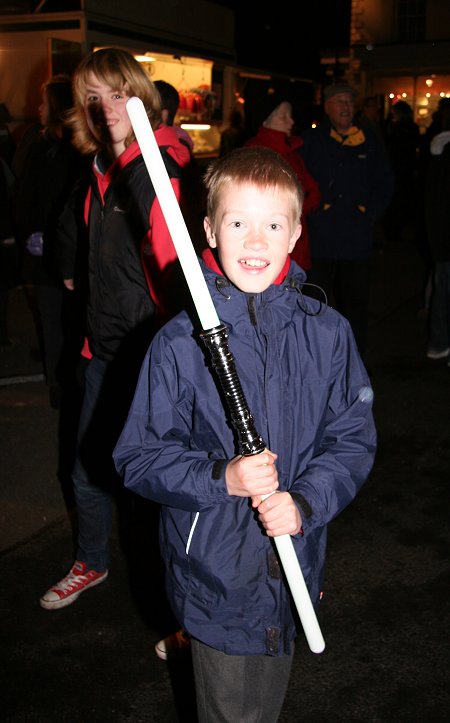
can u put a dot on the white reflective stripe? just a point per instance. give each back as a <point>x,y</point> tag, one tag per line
<point>197,514</point>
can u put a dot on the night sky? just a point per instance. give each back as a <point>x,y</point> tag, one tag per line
<point>271,36</point>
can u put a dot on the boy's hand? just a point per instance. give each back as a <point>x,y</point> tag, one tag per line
<point>278,514</point>
<point>252,476</point>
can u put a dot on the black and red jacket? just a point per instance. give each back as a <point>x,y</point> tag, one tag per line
<point>130,256</point>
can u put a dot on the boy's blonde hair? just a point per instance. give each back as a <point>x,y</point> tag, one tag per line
<point>117,69</point>
<point>259,166</point>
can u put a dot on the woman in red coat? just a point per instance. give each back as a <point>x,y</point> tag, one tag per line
<point>275,133</point>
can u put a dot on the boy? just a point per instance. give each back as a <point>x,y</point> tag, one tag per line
<point>311,400</point>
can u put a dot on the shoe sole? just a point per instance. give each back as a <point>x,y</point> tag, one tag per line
<point>177,652</point>
<point>64,602</point>
<point>162,655</point>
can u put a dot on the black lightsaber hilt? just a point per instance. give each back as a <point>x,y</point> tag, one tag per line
<point>216,340</point>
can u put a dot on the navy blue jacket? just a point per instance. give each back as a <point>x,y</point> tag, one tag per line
<point>356,185</point>
<point>311,400</point>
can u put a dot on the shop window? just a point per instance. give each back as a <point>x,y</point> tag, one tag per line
<point>411,20</point>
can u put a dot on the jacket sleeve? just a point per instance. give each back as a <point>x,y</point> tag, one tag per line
<point>71,234</point>
<point>159,237</point>
<point>162,269</point>
<point>345,443</point>
<point>154,453</point>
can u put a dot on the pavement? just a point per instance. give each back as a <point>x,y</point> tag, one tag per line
<point>385,614</point>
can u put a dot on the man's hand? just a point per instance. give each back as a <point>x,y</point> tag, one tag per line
<point>253,476</point>
<point>278,514</point>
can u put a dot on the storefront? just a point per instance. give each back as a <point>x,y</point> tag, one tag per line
<point>200,65</point>
<point>422,92</point>
<point>201,95</point>
<point>418,73</point>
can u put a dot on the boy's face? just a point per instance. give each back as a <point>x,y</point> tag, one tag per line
<point>255,231</point>
<point>106,114</point>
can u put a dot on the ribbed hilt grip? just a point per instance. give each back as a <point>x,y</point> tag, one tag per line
<point>223,363</point>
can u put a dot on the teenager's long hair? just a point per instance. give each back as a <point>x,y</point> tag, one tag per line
<point>120,71</point>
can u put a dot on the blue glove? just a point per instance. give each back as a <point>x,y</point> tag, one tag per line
<point>35,244</point>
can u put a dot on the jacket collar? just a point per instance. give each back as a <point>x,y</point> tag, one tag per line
<point>278,140</point>
<point>166,137</point>
<point>354,136</point>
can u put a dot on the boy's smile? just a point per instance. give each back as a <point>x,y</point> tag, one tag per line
<point>254,231</point>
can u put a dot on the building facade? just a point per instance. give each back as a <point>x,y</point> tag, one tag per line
<point>400,49</point>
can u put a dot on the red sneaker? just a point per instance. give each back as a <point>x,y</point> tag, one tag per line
<point>66,591</point>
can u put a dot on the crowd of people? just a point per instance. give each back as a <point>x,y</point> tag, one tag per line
<point>285,223</point>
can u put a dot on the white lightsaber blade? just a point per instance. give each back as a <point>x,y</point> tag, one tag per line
<point>209,319</point>
<point>172,214</point>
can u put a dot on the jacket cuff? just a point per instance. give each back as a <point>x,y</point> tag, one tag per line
<point>218,469</point>
<point>305,507</point>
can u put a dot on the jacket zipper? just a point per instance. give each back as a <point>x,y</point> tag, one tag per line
<point>251,305</point>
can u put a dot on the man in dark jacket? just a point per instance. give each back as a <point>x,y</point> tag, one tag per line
<point>356,185</point>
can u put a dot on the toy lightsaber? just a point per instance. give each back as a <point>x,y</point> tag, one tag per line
<point>215,337</point>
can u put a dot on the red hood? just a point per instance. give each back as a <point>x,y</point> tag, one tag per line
<point>165,136</point>
<point>211,262</point>
<point>168,137</point>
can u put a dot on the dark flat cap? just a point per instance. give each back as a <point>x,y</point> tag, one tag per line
<point>336,88</point>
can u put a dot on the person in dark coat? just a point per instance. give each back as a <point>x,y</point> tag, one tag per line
<point>356,184</point>
<point>402,146</point>
<point>9,258</point>
<point>310,397</point>
<point>437,207</point>
<point>51,169</point>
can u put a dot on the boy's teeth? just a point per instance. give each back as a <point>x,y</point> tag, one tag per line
<point>254,262</point>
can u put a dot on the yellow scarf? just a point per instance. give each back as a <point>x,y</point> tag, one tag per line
<point>354,137</point>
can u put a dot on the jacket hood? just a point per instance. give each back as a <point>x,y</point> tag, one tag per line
<point>166,138</point>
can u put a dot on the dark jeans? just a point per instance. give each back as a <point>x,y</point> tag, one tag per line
<point>239,688</point>
<point>346,284</point>
<point>108,392</point>
<point>92,494</point>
